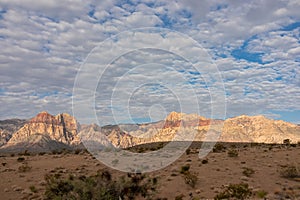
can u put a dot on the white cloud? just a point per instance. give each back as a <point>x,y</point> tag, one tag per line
<point>43,43</point>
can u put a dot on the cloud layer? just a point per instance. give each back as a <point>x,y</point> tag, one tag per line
<point>254,44</point>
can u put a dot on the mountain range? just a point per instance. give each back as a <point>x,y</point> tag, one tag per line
<point>46,132</point>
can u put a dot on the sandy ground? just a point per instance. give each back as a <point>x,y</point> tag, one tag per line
<point>213,176</point>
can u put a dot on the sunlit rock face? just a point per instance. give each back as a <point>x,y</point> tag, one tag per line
<point>62,128</point>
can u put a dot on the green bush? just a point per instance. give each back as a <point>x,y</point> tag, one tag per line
<point>101,186</point>
<point>233,153</point>
<point>248,171</point>
<point>190,179</point>
<point>286,141</point>
<point>238,191</point>
<point>77,151</point>
<point>188,151</point>
<point>185,169</point>
<point>261,194</point>
<point>24,168</point>
<point>179,197</point>
<point>33,189</point>
<point>20,159</point>
<point>205,161</point>
<point>290,171</point>
<point>25,153</point>
<point>219,148</point>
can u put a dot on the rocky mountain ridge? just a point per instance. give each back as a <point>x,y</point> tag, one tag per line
<point>45,131</point>
<point>8,127</point>
<point>62,128</point>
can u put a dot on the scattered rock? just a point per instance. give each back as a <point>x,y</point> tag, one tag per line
<point>17,189</point>
<point>26,191</point>
<point>244,178</point>
<point>42,183</point>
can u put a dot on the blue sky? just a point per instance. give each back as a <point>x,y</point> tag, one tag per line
<point>254,44</point>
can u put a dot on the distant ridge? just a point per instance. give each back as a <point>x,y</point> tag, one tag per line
<point>46,132</point>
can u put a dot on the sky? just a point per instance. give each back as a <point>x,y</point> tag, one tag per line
<point>136,61</point>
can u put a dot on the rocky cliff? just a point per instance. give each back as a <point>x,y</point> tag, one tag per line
<point>259,129</point>
<point>61,128</point>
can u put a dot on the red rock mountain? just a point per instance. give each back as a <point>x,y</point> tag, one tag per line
<point>258,129</point>
<point>62,128</point>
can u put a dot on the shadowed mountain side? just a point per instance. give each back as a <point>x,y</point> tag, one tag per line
<point>36,143</point>
<point>92,138</point>
<point>8,127</point>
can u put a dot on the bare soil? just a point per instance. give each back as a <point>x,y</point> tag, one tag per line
<point>265,161</point>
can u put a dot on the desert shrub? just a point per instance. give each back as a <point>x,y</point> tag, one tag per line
<point>153,148</point>
<point>254,144</point>
<point>141,150</point>
<point>24,168</point>
<point>290,171</point>
<point>25,153</point>
<point>33,189</point>
<point>205,161</point>
<point>185,169</point>
<point>188,151</point>
<point>261,194</point>
<point>190,179</point>
<point>77,151</point>
<point>293,145</point>
<point>115,162</point>
<point>20,159</point>
<point>286,141</point>
<point>248,171</point>
<point>291,193</point>
<point>270,148</point>
<point>54,151</point>
<point>219,148</point>
<point>238,191</point>
<point>233,153</point>
<point>100,186</point>
<point>42,153</point>
<point>179,197</point>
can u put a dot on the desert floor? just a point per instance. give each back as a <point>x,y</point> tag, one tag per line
<point>265,164</point>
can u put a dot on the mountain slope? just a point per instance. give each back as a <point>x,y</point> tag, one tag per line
<point>36,143</point>
<point>8,127</point>
<point>61,128</point>
<point>259,129</point>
